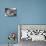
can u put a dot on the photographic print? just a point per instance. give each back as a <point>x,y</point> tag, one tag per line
<point>29,34</point>
<point>10,11</point>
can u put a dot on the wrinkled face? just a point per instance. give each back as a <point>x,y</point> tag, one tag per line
<point>12,36</point>
<point>10,12</point>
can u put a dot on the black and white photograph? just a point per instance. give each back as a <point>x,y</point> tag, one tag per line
<point>10,11</point>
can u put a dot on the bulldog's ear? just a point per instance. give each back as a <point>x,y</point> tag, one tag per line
<point>6,9</point>
<point>8,38</point>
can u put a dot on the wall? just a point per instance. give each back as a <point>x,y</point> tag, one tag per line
<point>28,12</point>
